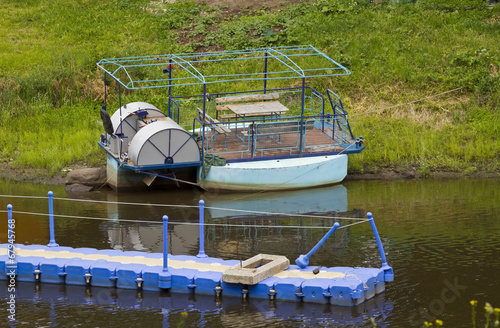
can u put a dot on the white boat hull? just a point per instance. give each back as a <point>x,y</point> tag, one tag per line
<point>281,174</point>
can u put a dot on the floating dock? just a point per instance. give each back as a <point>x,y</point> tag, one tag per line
<point>263,276</point>
<point>343,286</point>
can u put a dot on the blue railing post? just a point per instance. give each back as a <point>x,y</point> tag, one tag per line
<point>11,265</point>
<point>202,230</point>
<point>52,242</point>
<point>165,277</point>
<point>388,272</point>
<point>303,260</point>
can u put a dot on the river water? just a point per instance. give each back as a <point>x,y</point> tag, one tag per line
<point>440,236</point>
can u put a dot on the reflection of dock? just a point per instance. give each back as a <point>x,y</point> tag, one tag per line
<point>184,310</point>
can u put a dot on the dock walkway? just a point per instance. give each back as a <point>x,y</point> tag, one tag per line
<point>343,286</point>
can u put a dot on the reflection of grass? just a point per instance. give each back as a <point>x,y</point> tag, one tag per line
<point>50,91</point>
<point>491,314</point>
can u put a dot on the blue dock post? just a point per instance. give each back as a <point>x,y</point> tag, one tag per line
<point>11,265</point>
<point>165,277</point>
<point>388,272</point>
<point>303,260</point>
<point>52,242</point>
<point>202,230</point>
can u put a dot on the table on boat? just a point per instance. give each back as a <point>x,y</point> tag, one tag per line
<point>269,108</point>
<point>256,109</point>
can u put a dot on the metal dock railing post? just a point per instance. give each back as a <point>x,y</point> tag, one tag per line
<point>165,277</point>
<point>388,272</point>
<point>52,242</point>
<point>202,230</point>
<point>303,260</point>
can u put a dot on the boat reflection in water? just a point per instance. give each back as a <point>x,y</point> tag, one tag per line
<point>273,208</point>
<point>318,201</point>
<point>66,306</point>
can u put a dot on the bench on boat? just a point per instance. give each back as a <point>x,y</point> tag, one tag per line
<point>216,126</point>
<point>259,131</point>
<point>248,106</point>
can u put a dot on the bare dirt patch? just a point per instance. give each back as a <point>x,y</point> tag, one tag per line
<point>240,7</point>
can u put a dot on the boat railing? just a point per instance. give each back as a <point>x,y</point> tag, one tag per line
<point>310,105</point>
<point>172,113</point>
<point>340,115</point>
<point>290,97</point>
<point>272,136</point>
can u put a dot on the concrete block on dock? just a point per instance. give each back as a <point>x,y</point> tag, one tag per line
<point>255,269</point>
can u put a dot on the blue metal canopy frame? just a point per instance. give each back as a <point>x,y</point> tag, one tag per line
<point>288,62</point>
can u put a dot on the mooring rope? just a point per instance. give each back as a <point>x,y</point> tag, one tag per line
<point>123,203</point>
<point>185,223</point>
<point>287,214</point>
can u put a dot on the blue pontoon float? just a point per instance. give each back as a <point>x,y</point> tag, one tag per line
<point>236,126</point>
<point>263,276</point>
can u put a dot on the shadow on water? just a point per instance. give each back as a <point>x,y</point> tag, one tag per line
<point>440,236</point>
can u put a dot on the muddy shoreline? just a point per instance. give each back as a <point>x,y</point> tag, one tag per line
<point>41,176</point>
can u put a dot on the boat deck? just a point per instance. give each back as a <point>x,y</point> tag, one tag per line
<point>343,286</point>
<point>237,144</point>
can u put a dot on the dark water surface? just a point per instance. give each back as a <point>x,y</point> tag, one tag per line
<point>441,237</point>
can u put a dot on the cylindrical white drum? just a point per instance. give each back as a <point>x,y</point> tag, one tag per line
<point>163,142</point>
<point>125,122</point>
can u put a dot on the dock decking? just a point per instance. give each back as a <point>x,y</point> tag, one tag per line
<point>344,286</point>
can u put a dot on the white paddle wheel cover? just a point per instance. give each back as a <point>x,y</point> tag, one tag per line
<point>163,142</point>
<point>125,122</point>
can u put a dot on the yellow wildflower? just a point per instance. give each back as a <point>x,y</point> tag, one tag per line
<point>439,323</point>
<point>473,303</point>
<point>488,308</point>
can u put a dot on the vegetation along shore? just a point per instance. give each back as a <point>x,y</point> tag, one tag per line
<point>424,91</point>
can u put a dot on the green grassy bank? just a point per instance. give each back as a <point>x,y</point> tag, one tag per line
<point>51,91</point>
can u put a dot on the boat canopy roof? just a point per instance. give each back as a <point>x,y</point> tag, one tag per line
<point>290,62</point>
